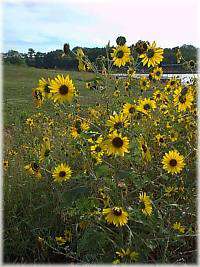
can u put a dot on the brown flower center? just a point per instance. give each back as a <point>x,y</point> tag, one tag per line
<point>131,110</point>
<point>173,162</point>
<point>117,142</point>
<point>144,148</point>
<point>117,211</point>
<point>182,99</point>
<point>98,149</point>
<point>147,106</point>
<point>62,174</point>
<point>63,90</point>
<point>150,53</point>
<point>47,89</point>
<point>35,166</point>
<point>120,54</point>
<point>118,125</point>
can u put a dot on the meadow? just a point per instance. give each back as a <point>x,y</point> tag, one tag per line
<point>99,169</point>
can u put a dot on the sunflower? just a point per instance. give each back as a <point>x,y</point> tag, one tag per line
<point>153,56</point>
<point>38,97</point>
<point>158,95</point>
<point>177,226</point>
<point>116,145</point>
<point>160,139</point>
<point>146,155</point>
<point>146,105</point>
<point>62,173</point>
<point>97,151</point>
<point>116,93</point>
<point>121,55</point>
<point>173,162</point>
<point>116,216</point>
<point>183,98</point>
<point>60,240</point>
<point>30,122</point>
<point>117,122</point>
<point>129,109</point>
<point>157,73</point>
<point>144,83</point>
<point>146,201</point>
<point>5,164</point>
<point>172,84</point>
<point>33,169</point>
<point>44,151</point>
<point>44,87</point>
<point>62,89</point>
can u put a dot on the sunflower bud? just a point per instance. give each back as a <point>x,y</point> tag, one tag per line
<point>121,40</point>
<point>66,49</point>
<point>141,47</point>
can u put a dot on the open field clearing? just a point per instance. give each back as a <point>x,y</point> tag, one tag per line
<point>99,169</point>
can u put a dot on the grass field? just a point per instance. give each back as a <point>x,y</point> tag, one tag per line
<point>18,84</point>
<point>121,203</point>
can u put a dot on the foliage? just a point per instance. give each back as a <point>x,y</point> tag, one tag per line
<point>130,145</point>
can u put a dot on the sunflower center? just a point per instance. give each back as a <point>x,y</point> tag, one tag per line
<point>98,149</point>
<point>192,63</point>
<point>182,99</point>
<point>120,54</point>
<point>158,95</point>
<point>118,125</point>
<point>161,140</point>
<point>172,82</point>
<point>144,148</point>
<point>47,89</point>
<point>144,83</point>
<point>173,162</point>
<point>131,110</point>
<point>150,53</point>
<point>117,211</point>
<point>117,142</point>
<point>47,152</point>
<point>62,174</point>
<point>35,166</point>
<point>158,73</point>
<point>147,106</point>
<point>63,90</point>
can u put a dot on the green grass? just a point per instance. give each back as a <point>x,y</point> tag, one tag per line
<point>19,82</point>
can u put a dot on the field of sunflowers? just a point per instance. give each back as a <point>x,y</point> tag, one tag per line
<point>112,180</point>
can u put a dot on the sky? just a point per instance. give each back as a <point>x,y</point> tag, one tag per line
<point>46,25</point>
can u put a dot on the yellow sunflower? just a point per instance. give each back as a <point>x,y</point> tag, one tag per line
<point>173,162</point>
<point>146,155</point>
<point>153,56</point>
<point>116,216</point>
<point>62,89</point>
<point>116,145</point>
<point>157,73</point>
<point>44,87</point>
<point>146,105</point>
<point>33,169</point>
<point>144,83</point>
<point>62,173</point>
<point>177,226</point>
<point>44,151</point>
<point>146,201</point>
<point>129,109</point>
<point>117,122</point>
<point>121,55</point>
<point>183,98</point>
<point>172,84</point>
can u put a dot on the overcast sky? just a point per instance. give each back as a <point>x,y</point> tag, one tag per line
<point>46,25</point>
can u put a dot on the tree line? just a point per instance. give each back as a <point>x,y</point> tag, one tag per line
<point>56,60</point>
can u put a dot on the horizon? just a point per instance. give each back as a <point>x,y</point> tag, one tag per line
<point>46,25</point>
